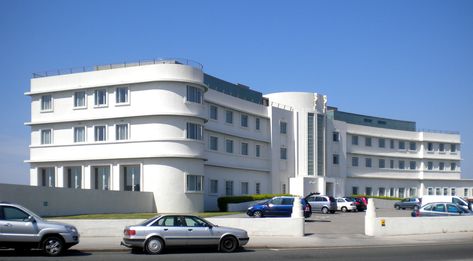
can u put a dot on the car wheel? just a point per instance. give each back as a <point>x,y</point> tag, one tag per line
<point>344,209</point>
<point>228,244</point>
<point>397,207</point>
<point>324,210</point>
<point>258,214</point>
<point>154,246</point>
<point>52,246</point>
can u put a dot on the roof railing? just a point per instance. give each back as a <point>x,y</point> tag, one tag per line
<point>438,131</point>
<point>118,65</point>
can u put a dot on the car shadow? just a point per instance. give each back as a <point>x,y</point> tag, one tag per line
<point>37,253</point>
<point>192,250</point>
<point>316,220</point>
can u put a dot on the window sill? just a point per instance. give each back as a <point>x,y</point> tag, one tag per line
<point>122,104</point>
<point>80,108</point>
<point>100,106</point>
<point>46,111</point>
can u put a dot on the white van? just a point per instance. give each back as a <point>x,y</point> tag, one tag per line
<point>454,199</point>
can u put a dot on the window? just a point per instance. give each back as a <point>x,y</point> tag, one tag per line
<point>194,94</point>
<point>368,141</point>
<point>412,165</point>
<point>438,192</point>
<point>244,188</point>
<point>453,166</point>
<point>412,146</point>
<point>402,145</point>
<point>79,99</point>
<point>46,137</point>
<point>430,165</point>
<point>213,143</point>
<point>102,178</point>
<point>336,159</point>
<point>391,192</point>
<point>132,177</point>
<point>244,148</point>
<point>354,190</point>
<point>453,148</point>
<point>213,112</point>
<point>284,192</point>
<point>48,177</point>
<point>391,144</point>
<point>430,146</point>
<point>336,136</point>
<point>258,150</point>
<point>229,146</point>
<point>401,192</point>
<point>79,134</point>
<point>453,192</point>
<point>381,142</point>
<point>368,191</point>
<point>381,164</point>
<point>74,177</point>
<point>121,132</point>
<point>213,186</point>
<point>194,131</point>
<point>465,192</point>
<point>46,103</point>
<point>258,188</point>
<point>283,127</point>
<point>283,153</point>
<point>368,162</point>
<point>354,161</point>
<point>257,123</point>
<point>100,133</point>
<point>381,192</point>
<point>430,191</point>
<point>402,164</point>
<point>229,188</point>
<point>441,166</point>
<point>244,120</point>
<point>194,183</point>
<point>391,164</point>
<point>441,147</point>
<point>100,97</point>
<point>14,214</point>
<point>122,95</point>
<point>445,191</point>
<point>229,117</point>
<point>354,140</point>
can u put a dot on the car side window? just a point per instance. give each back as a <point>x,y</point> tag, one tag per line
<point>193,222</point>
<point>439,208</point>
<point>452,209</point>
<point>276,201</point>
<point>14,214</point>
<point>169,221</point>
<point>428,207</point>
<point>311,199</point>
<point>318,199</point>
<point>287,201</point>
<point>339,200</point>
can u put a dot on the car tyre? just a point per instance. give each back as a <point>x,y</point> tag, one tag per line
<point>258,214</point>
<point>397,207</point>
<point>344,209</point>
<point>228,244</point>
<point>154,246</point>
<point>52,245</point>
<point>325,210</point>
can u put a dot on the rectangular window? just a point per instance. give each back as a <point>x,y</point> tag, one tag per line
<point>466,192</point>
<point>194,94</point>
<point>402,164</point>
<point>244,188</point>
<point>430,191</point>
<point>354,140</point>
<point>194,131</point>
<point>354,161</point>
<point>354,190</point>
<point>336,136</point>
<point>453,166</point>
<point>244,120</point>
<point>122,95</point>
<point>74,177</point>
<point>229,188</point>
<point>391,144</point>
<point>391,164</point>
<point>258,188</point>
<point>453,148</point>
<point>213,143</point>
<point>48,177</point>
<point>368,162</point>
<point>229,146</point>
<point>213,112</point>
<point>310,144</point>
<point>453,192</point>
<point>441,147</point>
<point>391,192</point>
<point>229,117</point>
<point>412,146</point>
<point>100,133</point>
<point>381,192</point>
<point>46,103</point>
<point>244,148</point>
<point>213,186</point>
<point>283,153</point>
<point>412,165</point>
<point>401,192</point>
<point>441,166</point>
<point>368,141</point>
<point>381,164</point>
<point>445,191</point>
<point>102,178</point>
<point>257,123</point>
<point>283,188</point>
<point>258,151</point>
<point>79,99</point>
<point>46,136</point>
<point>194,183</point>
<point>430,165</point>
<point>381,142</point>
<point>438,191</point>
<point>121,132</point>
<point>79,134</point>
<point>402,145</point>
<point>283,127</point>
<point>336,159</point>
<point>430,146</point>
<point>100,97</point>
<point>132,177</point>
<point>368,191</point>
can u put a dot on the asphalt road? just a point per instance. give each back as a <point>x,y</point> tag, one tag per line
<point>417,253</point>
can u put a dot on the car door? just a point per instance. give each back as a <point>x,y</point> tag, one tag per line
<point>275,207</point>
<point>172,230</point>
<point>454,210</point>
<point>16,226</point>
<point>439,209</point>
<point>199,232</point>
<point>286,206</point>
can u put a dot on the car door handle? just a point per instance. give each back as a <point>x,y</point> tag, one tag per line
<point>8,225</point>
<point>190,229</point>
<point>166,229</point>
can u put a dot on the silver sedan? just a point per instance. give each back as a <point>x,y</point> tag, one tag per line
<point>182,230</point>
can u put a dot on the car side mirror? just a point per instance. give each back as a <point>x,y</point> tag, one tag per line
<point>31,219</point>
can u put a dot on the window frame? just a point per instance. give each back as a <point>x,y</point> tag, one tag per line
<point>194,131</point>
<point>211,139</point>
<point>194,94</point>
<point>127,125</point>
<point>105,134</point>
<point>42,103</point>
<point>199,183</point>
<point>244,118</point>
<point>75,136</point>
<point>213,112</point>
<point>43,140</point>
<point>97,98</point>
<point>282,127</point>
<point>75,100</point>
<point>117,96</point>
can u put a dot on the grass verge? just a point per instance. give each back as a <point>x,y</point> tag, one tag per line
<point>137,215</point>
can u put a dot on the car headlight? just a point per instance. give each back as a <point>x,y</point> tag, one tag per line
<point>71,229</point>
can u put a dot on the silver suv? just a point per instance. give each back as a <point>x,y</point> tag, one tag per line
<point>324,204</point>
<point>22,229</point>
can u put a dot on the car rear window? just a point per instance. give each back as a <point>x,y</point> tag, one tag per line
<point>332,199</point>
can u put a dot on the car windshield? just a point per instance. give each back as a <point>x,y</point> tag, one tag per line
<point>146,222</point>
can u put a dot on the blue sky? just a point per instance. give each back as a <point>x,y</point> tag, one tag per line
<point>409,60</point>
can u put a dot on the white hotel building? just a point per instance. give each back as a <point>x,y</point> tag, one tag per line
<point>167,127</point>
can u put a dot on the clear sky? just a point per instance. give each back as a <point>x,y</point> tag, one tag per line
<point>409,60</point>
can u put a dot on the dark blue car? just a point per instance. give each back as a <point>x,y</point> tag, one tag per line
<point>277,207</point>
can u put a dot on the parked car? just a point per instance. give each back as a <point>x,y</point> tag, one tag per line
<point>440,209</point>
<point>360,205</point>
<point>412,203</point>
<point>345,205</point>
<point>278,207</point>
<point>452,199</point>
<point>156,233</point>
<point>324,204</point>
<point>22,229</point>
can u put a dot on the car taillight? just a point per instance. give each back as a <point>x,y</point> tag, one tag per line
<point>130,232</point>
<point>417,213</point>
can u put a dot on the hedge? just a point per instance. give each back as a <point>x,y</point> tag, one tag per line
<point>378,197</point>
<point>224,201</point>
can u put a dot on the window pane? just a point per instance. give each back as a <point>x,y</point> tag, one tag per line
<point>258,150</point>
<point>48,177</point>
<point>244,148</point>
<point>74,177</point>
<point>194,131</point>
<point>46,102</point>
<point>131,177</point>
<point>102,178</point>
<point>100,97</point>
<point>79,99</point>
<point>100,133</point>
<point>213,143</point>
<point>213,112</point>
<point>229,117</point>
<point>194,94</point>
<point>257,122</point>
<point>122,95</point>
<point>79,134</point>
<point>45,136</point>
<point>283,127</point>
<point>229,146</point>
<point>121,132</point>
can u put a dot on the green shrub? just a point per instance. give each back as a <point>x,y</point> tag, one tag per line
<point>224,201</point>
<point>378,197</point>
